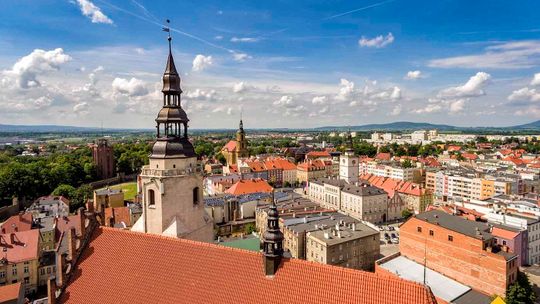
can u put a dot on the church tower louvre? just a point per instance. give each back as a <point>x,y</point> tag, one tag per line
<point>172,183</point>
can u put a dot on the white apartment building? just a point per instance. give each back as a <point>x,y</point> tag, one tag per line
<point>387,170</point>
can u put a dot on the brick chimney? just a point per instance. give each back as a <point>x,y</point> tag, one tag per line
<point>72,244</point>
<point>60,274</point>
<point>82,220</point>
<point>51,290</point>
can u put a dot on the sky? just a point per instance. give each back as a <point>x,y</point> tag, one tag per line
<point>276,64</point>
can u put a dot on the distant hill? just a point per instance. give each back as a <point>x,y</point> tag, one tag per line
<point>535,125</point>
<point>393,126</point>
<point>56,129</point>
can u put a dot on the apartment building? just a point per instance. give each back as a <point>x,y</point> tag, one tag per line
<point>391,170</point>
<point>354,246</point>
<point>20,259</point>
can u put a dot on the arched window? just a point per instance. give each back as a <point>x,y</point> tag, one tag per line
<point>151,197</point>
<point>195,195</point>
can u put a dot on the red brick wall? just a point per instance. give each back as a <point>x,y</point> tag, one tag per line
<point>461,259</point>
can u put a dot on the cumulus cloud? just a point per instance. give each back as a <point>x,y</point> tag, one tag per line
<point>201,62</point>
<point>472,88</point>
<point>412,75</point>
<point>241,57</point>
<point>223,109</point>
<point>346,90</point>
<point>377,42</point>
<point>93,12</point>
<point>199,94</point>
<point>536,79</point>
<point>244,39</point>
<point>525,94</point>
<point>457,106</point>
<point>132,87</point>
<point>319,100</point>
<point>390,94</point>
<point>26,69</point>
<point>240,87</point>
<point>285,101</point>
<point>429,108</point>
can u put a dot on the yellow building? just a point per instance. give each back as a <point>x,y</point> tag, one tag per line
<point>20,259</point>
<point>105,198</point>
<point>236,149</point>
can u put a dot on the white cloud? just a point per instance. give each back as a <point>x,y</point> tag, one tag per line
<point>536,80</point>
<point>201,62</point>
<point>99,69</point>
<point>241,57</point>
<point>132,87</point>
<point>390,94</point>
<point>199,94</point>
<point>240,87</point>
<point>81,108</point>
<point>396,110</point>
<point>93,12</point>
<point>412,75</point>
<point>285,101</point>
<point>525,94</point>
<point>430,108</point>
<point>244,39</point>
<point>26,69</point>
<point>377,42</point>
<point>319,100</point>
<point>218,37</point>
<point>504,55</point>
<point>457,106</point>
<point>140,51</point>
<point>43,102</point>
<point>346,90</point>
<point>473,87</point>
<point>324,110</point>
<point>223,109</point>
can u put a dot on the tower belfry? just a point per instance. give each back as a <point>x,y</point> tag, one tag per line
<point>349,169</point>
<point>171,184</point>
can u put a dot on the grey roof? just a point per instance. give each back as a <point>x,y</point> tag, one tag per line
<point>470,228</point>
<point>472,297</point>
<point>362,190</point>
<point>441,286</point>
<point>243,198</point>
<point>107,191</point>
<point>345,234</point>
<point>314,223</point>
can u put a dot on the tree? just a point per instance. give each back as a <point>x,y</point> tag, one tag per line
<point>521,292</point>
<point>249,228</point>
<point>406,214</point>
<point>66,191</point>
<point>407,163</point>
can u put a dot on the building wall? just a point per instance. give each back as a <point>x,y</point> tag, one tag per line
<point>462,259</point>
<point>24,271</point>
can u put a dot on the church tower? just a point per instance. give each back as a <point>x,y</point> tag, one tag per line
<point>348,163</point>
<point>171,185</point>
<point>241,142</point>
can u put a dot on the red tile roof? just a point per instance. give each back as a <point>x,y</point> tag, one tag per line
<point>312,165</point>
<point>119,214</point>
<point>63,224</point>
<point>19,222</point>
<point>285,164</point>
<point>383,156</point>
<point>318,154</point>
<point>20,246</point>
<point>247,186</point>
<point>453,148</point>
<point>158,269</point>
<point>10,293</point>
<point>505,234</point>
<point>230,146</point>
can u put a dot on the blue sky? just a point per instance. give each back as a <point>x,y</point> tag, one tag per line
<point>281,63</point>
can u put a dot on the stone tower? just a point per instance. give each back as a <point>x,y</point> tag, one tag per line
<point>348,163</point>
<point>241,142</point>
<point>172,184</point>
<point>103,156</point>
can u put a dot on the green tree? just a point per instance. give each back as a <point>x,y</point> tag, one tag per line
<point>67,191</point>
<point>407,163</point>
<point>521,292</point>
<point>249,228</point>
<point>406,214</point>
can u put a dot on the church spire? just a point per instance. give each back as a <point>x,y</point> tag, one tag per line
<point>272,241</point>
<point>172,130</point>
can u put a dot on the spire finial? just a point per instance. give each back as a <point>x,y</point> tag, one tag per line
<point>167,29</point>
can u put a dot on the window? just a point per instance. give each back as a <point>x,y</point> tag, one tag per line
<point>42,271</point>
<point>26,280</point>
<point>450,238</point>
<point>151,197</point>
<point>431,233</point>
<point>2,274</point>
<point>195,195</point>
<point>419,229</point>
<point>25,269</point>
<point>14,270</point>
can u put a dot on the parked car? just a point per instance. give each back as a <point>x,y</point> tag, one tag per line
<point>386,236</point>
<point>393,235</point>
<point>395,241</point>
<point>381,228</point>
<point>391,228</point>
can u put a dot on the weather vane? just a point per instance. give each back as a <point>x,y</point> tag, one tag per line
<point>168,30</point>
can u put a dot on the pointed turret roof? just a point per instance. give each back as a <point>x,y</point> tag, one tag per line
<point>171,79</point>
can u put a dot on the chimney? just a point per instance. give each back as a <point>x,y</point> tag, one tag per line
<point>51,291</point>
<point>72,243</point>
<point>60,275</point>
<point>353,226</point>
<point>327,235</point>
<point>82,221</point>
<point>12,238</point>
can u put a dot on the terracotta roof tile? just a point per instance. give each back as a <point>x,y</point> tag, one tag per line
<point>10,293</point>
<point>145,268</point>
<point>20,246</point>
<point>247,186</point>
<point>19,222</point>
<point>230,146</point>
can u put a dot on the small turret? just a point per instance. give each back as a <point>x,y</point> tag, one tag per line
<point>272,242</point>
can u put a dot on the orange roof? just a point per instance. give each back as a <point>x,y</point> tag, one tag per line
<point>246,186</point>
<point>256,166</point>
<point>19,222</point>
<point>285,164</point>
<point>470,156</point>
<point>505,234</point>
<point>160,269</point>
<point>230,146</point>
<point>383,156</point>
<point>11,292</point>
<point>233,168</point>
<point>505,151</point>
<point>516,161</point>
<point>63,224</point>
<point>317,154</point>
<point>119,214</point>
<point>453,148</point>
<point>20,246</point>
<point>312,165</point>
